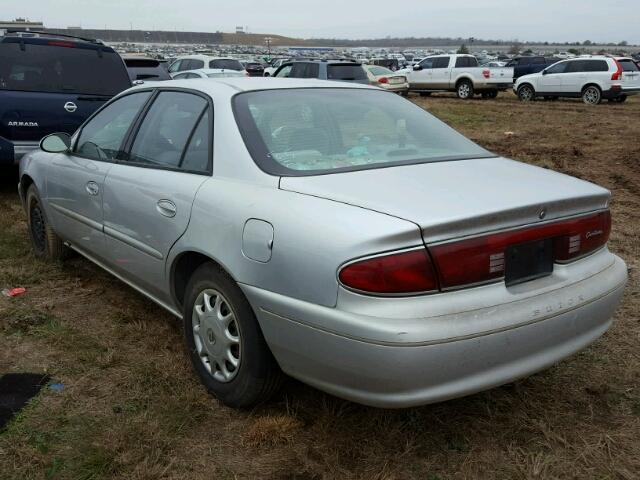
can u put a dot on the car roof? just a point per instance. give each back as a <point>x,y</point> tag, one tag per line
<point>229,86</point>
<point>204,57</point>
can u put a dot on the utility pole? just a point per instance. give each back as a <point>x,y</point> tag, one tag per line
<point>268,40</point>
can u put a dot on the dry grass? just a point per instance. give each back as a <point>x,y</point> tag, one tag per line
<point>131,407</point>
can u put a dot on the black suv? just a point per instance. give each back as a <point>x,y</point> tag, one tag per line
<point>51,83</point>
<point>341,70</point>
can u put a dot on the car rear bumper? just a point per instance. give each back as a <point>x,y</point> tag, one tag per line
<point>391,363</point>
<point>619,92</point>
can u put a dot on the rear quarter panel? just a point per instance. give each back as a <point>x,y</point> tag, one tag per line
<point>313,237</point>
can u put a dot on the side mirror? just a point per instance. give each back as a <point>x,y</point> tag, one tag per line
<point>417,67</point>
<point>56,143</point>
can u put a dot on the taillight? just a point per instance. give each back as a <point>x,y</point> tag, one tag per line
<point>482,259</point>
<point>383,80</point>
<point>486,73</point>
<point>617,75</point>
<point>60,43</point>
<point>398,273</point>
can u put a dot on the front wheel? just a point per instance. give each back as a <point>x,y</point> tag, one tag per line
<point>592,95</point>
<point>526,93</point>
<point>47,245</point>
<point>465,90</point>
<point>224,341</point>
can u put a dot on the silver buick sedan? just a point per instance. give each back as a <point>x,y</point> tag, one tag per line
<point>335,233</point>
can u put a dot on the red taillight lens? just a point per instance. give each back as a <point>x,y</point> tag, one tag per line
<point>383,80</point>
<point>398,273</point>
<point>482,259</point>
<point>618,73</point>
<point>486,73</point>
<point>60,43</point>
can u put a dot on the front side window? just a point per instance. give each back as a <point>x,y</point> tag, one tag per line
<point>166,128</point>
<point>427,63</point>
<point>558,68</point>
<point>311,131</point>
<point>441,62</point>
<point>102,137</point>
<point>284,71</point>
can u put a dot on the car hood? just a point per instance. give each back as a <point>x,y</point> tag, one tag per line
<point>457,198</point>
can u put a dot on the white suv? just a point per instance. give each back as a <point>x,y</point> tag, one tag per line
<point>590,78</point>
<point>198,62</point>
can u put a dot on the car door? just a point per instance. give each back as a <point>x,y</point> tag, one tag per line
<point>575,76</point>
<point>441,74</point>
<point>148,197</point>
<point>75,180</point>
<point>550,80</point>
<point>421,78</point>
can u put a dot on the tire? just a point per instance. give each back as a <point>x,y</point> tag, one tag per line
<point>493,94</point>
<point>405,93</point>
<point>46,244</point>
<point>592,95</point>
<point>267,74</point>
<point>464,90</point>
<point>526,93</point>
<point>425,94</point>
<point>214,344</point>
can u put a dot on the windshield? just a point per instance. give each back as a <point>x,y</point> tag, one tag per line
<point>310,131</point>
<point>226,63</point>
<point>61,69</point>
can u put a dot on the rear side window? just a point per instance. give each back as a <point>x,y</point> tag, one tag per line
<point>196,156</point>
<point>538,61</point>
<point>102,137</point>
<point>441,62</point>
<point>304,70</point>
<point>72,68</point>
<point>346,71</point>
<point>166,129</point>
<point>581,66</point>
<point>628,65</point>
<point>226,63</point>
<point>466,62</point>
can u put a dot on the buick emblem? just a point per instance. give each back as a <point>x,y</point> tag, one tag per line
<point>542,213</point>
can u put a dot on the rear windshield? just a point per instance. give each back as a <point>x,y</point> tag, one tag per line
<point>628,65</point>
<point>345,71</point>
<point>297,132</point>
<point>61,69</point>
<point>141,62</point>
<point>226,63</point>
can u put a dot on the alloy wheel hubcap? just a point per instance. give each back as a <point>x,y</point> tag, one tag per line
<point>463,90</point>
<point>591,95</point>
<point>216,335</point>
<point>525,94</point>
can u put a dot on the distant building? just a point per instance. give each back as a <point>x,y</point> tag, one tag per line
<point>20,23</point>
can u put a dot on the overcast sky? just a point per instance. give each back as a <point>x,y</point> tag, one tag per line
<point>551,20</point>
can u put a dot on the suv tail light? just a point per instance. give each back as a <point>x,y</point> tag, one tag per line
<point>398,273</point>
<point>383,80</point>
<point>617,75</point>
<point>482,259</point>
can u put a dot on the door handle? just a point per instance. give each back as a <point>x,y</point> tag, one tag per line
<point>167,208</point>
<point>92,188</point>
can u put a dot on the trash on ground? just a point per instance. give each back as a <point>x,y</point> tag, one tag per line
<point>13,292</point>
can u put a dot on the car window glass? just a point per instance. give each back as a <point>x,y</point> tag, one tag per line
<point>165,129</point>
<point>196,156</point>
<point>346,71</point>
<point>102,137</point>
<point>322,130</point>
<point>298,70</point>
<point>576,66</point>
<point>380,71</point>
<point>558,68</point>
<point>441,62</point>
<point>628,65</point>
<point>427,63</point>
<point>285,71</point>
<point>175,66</point>
<point>596,66</point>
<point>537,61</point>
<point>226,63</point>
<point>181,76</point>
<point>61,69</point>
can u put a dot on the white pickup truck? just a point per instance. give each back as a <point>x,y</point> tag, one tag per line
<point>460,74</point>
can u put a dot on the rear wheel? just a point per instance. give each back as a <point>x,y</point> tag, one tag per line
<point>267,74</point>
<point>464,90</point>
<point>526,93</point>
<point>592,95</point>
<point>45,242</point>
<point>224,341</point>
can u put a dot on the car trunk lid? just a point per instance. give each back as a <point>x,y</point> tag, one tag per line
<point>453,199</point>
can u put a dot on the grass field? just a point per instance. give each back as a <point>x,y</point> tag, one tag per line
<point>131,407</point>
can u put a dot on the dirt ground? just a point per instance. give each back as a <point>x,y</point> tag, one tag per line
<point>131,407</point>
